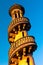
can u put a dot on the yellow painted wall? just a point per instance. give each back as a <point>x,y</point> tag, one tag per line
<point>20,35</point>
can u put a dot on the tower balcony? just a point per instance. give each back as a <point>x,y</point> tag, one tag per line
<point>27,42</point>
<point>23,22</point>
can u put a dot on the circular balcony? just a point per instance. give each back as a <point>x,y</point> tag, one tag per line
<point>19,21</point>
<point>21,43</point>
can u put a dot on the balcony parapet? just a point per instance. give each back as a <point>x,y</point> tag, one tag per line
<point>17,21</point>
<point>22,42</point>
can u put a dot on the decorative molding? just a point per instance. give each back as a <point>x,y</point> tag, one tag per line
<point>20,42</point>
<point>17,20</point>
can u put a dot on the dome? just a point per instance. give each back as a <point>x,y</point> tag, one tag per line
<point>16,6</point>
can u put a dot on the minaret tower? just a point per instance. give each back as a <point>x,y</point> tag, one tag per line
<point>22,46</point>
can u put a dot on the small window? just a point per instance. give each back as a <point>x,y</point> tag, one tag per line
<point>23,34</point>
<point>15,15</point>
<point>18,13</point>
<point>28,61</point>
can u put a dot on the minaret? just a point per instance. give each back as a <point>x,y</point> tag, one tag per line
<point>22,46</point>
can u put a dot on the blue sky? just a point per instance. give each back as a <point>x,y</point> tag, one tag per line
<point>34,11</point>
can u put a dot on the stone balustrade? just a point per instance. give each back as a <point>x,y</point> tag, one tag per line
<point>17,20</point>
<point>20,42</point>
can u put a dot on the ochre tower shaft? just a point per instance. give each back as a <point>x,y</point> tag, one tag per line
<point>22,46</point>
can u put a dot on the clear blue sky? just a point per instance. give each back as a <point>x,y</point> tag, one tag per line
<point>34,11</point>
